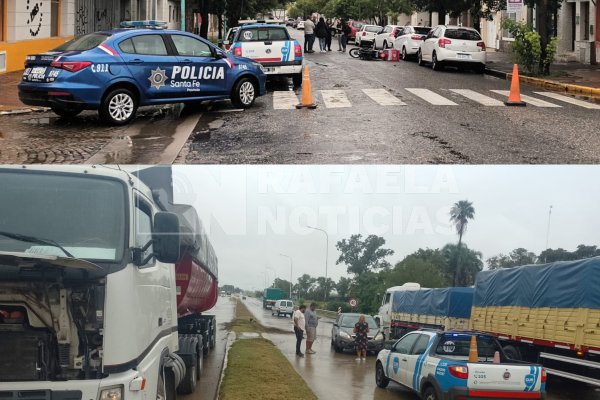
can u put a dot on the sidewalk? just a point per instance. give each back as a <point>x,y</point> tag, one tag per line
<point>9,100</point>
<point>572,77</point>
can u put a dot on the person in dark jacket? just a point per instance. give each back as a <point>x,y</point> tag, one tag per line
<point>330,33</point>
<point>344,35</point>
<point>321,33</point>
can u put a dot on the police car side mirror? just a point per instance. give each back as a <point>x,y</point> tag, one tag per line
<point>219,55</point>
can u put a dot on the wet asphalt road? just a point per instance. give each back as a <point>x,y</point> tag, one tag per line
<point>338,376</point>
<point>208,385</point>
<point>350,128</point>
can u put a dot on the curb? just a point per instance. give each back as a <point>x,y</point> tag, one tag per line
<point>231,337</point>
<point>548,84</point>
<point>24,111</point>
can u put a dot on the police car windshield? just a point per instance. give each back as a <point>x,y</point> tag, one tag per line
<point>263,34</point>
<point>83,43</point>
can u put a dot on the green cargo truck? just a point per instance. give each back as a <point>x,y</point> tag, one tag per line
<point>271,295</point>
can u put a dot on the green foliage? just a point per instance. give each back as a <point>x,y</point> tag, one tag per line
<point>304,286</point>
<point>463,264</point>
<point>426,267</point>
<point>283,285</point>
<point>363,255</point>
<point>527,48</point>
<point>333,306</point>
<point>515,258</point>
<point>343,287</point>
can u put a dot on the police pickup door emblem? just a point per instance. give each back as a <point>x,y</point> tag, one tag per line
<point>157,78</point>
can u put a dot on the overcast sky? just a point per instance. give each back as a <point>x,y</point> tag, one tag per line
<point>255,213</point>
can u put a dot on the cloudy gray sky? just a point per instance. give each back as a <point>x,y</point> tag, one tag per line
<point>255,213</point>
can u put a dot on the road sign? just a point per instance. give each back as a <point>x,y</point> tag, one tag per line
<point>353,303</point>
<point>339,310</point>
<point>513,5</point>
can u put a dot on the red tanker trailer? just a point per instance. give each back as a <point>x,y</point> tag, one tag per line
<point>196,272</point>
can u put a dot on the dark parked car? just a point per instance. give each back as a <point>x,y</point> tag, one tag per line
<point>342,335</point>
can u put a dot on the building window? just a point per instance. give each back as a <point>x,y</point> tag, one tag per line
<point>54,18</point>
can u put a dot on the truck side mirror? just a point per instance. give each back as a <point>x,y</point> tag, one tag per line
<point>166,237</point>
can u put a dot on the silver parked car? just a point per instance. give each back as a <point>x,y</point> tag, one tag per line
<point>342,335</point>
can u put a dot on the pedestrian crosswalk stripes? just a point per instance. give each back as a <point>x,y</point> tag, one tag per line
<point>478,97</point>
<point>529,100</point>
<point>570,100</point>
<point>335,99</point>
<point>431,97</point>
<point>287,100</point>
<point>284,100</point>
<point>383,97</point>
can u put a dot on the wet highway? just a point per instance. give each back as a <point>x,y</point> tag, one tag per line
<point>208,385</point>
<point>331,375</point>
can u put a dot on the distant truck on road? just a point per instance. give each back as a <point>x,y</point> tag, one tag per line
<point>103,283</point>
<point>547,314</point>
<point>271,295</point>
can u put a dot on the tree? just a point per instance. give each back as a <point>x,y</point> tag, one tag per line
<point>470,264</point>
<point>323,288</point>
<point>304,285</point>
<point>515,258</point>
<point>460,214</point>
<point>560,254</point>
<point>283,285</point>
<point>343,287</point>
<point>426,267</point>
<point>363,255</point>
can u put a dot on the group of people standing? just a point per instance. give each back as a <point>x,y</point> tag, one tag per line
<point>307,321</point>
<point>324,30</point>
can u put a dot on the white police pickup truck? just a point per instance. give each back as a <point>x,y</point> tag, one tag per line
<point>435,365</point>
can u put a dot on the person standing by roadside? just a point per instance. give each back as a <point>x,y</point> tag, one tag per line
<point>299,326</point>
<point>361,329</point>
<point>338,28</point>
<point>321,33</point>
<point>311,327</point>
<point>330,32</point>
<point>345,34</point>
<point>309,35</point>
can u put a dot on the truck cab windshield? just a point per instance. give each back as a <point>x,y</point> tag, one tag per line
<point>84,215</point>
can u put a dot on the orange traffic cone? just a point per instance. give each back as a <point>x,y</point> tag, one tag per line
<point>497,357</point>
<point>514,97</point>
<point>307,100</point>
<point>473,354</point>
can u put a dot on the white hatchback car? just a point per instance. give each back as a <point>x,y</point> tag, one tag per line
<point>385,39</point>
<point>366,34</point>
<point>283,307</point>
<point>453,45</point>
<point>409,38</point>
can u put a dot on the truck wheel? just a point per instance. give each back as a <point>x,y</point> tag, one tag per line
<point>213,339</point>
<point>166,385</point>
<point>199,364</point>
<point>380,379</point>
<point>118,107</point>
<point>188,384</point>
<point>430,393</point>
<point>244,93</point>
<point>512,352</point>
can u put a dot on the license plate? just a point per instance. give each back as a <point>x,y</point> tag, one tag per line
<point>36,74</point>
<point>463,56</point>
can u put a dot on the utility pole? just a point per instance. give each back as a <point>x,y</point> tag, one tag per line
<point>326,253</point>
<point>182,18</point>
<point>548,229</point>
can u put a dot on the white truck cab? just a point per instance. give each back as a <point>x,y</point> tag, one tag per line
<point>384,317</point>
<point>87,286</point>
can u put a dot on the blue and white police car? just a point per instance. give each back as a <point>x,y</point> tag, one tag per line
<point>435,365</point>
<point>272,46</point>
<point>118,70</point>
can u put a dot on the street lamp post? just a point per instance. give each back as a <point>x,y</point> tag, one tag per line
<point>326,246</point>
<point>291,271</point>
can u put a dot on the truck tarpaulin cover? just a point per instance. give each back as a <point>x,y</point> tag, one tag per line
<point>447,302</point>
<point>568,284</point>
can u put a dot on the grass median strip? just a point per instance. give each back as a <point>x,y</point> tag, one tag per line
<point>256,369</point>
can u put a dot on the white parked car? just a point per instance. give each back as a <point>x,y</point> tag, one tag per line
<point>283,307</point>
<point>300,25</point>
<point>366,34</point>
<point>385,39</point>
<point>453,45</point>
<point>409,38</point>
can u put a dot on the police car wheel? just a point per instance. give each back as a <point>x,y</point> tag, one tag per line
<point>244,93</point>
<point>66,112</point>
<point>380,379</point>
<point>430,394</point>
<point>119,107</point>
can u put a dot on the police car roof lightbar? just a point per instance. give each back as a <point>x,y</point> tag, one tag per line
<point>151,23</point>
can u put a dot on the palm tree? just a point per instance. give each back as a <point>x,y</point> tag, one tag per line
<point>460,214</point>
